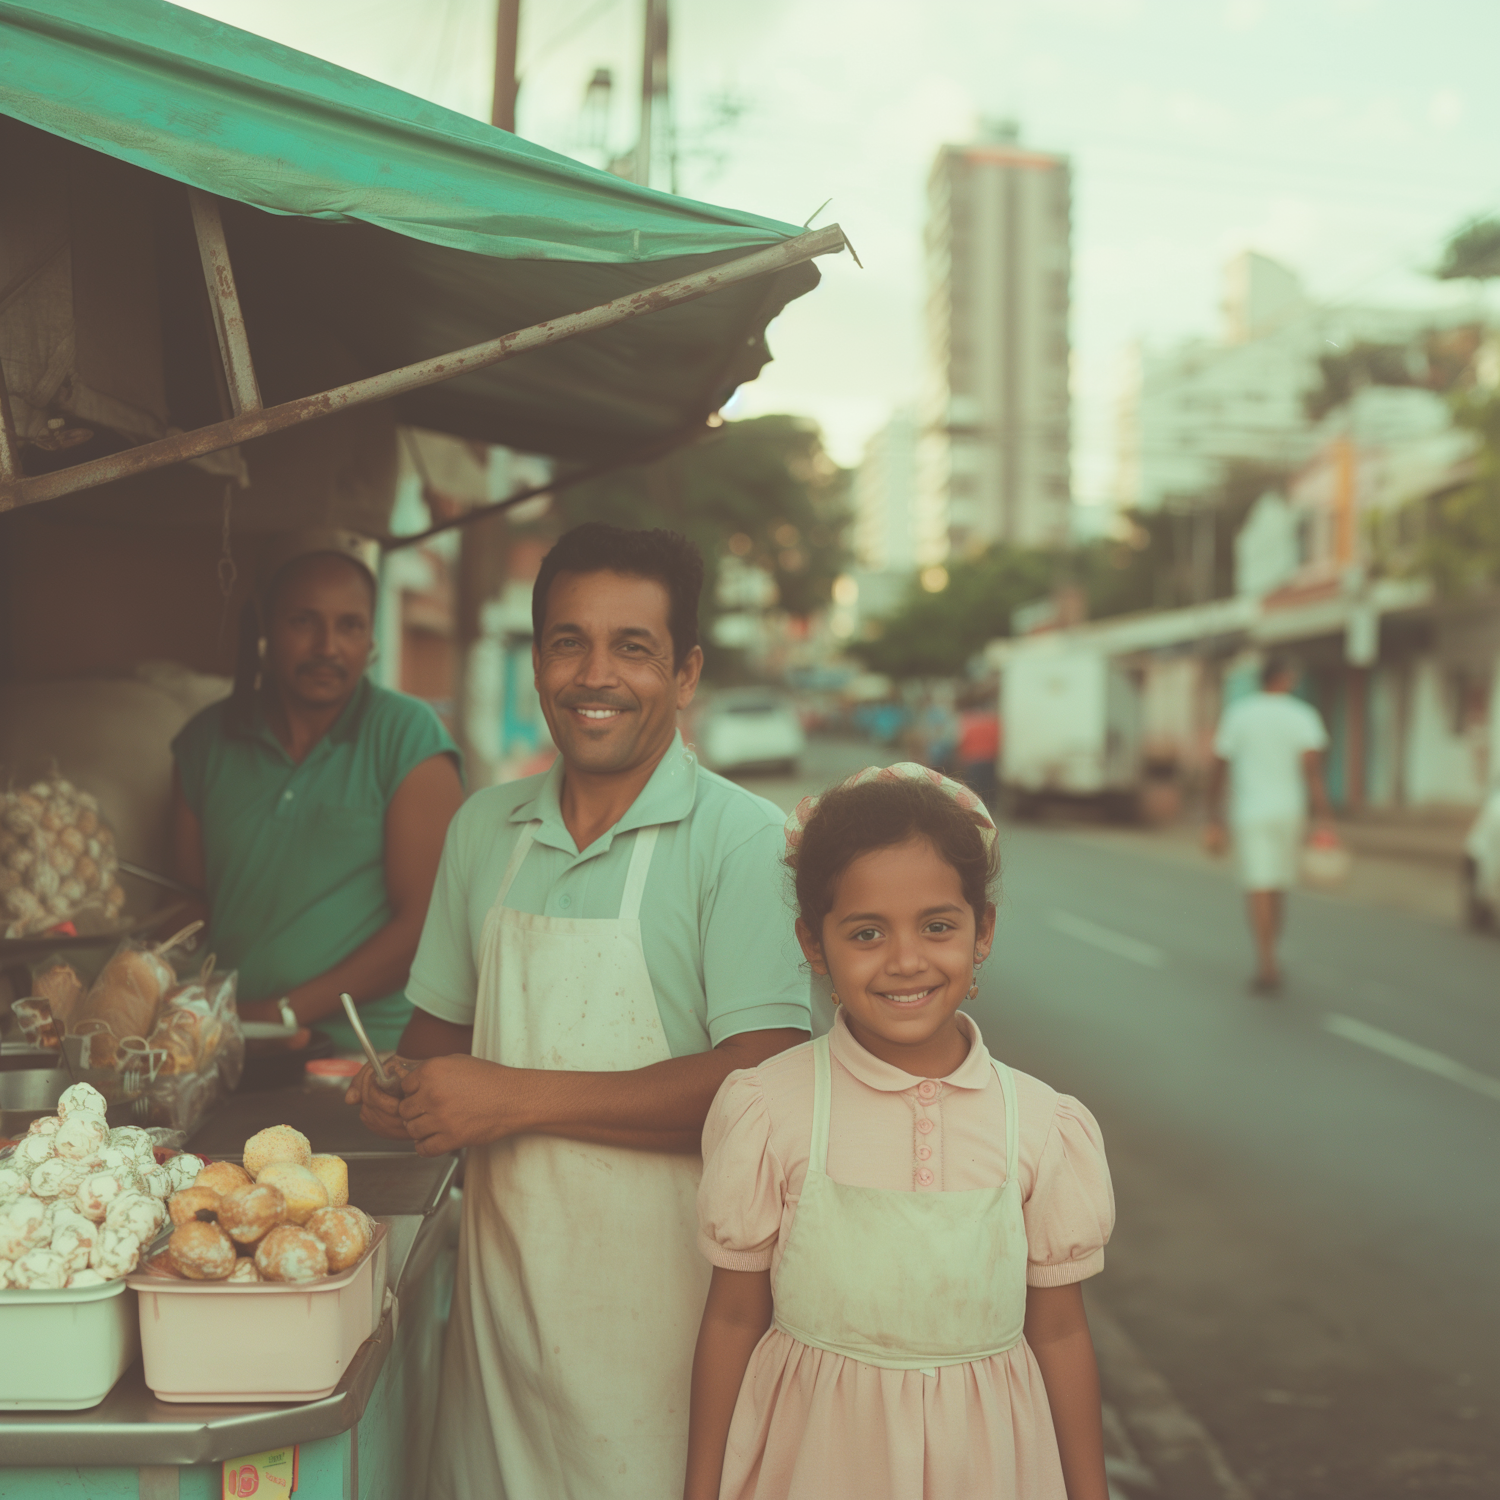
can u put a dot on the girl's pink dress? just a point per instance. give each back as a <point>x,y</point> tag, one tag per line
<point>811,1425</point>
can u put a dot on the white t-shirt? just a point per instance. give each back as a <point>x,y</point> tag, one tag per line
<point>1264,737</point>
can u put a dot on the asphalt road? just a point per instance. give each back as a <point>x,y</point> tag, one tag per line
<point>1308,1246</point>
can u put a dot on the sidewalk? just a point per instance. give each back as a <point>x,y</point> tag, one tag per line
<point>1399,864</point>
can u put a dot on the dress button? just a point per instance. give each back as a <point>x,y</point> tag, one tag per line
<point>924,1153</point>
<point>927,1089</point>
<point>924,1178</point>
<point>925,1125</point>
<point>286,796</point>
<point>565,901</point>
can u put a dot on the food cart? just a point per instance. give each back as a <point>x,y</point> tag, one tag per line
<point>229,273</point>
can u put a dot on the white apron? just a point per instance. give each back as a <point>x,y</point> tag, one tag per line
<point>568,1361</point>
<point>908,1281</point>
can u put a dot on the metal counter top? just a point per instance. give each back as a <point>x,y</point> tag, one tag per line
<point>130,1427</point>
<point>316,1109</point>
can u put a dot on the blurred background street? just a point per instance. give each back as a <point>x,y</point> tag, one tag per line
<point>1308,1225</point>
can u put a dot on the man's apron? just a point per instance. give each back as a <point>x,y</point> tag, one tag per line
<point>580,1287</point>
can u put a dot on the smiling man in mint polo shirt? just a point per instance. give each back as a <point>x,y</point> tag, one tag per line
<point>310,806</point>
<point>606,944</point>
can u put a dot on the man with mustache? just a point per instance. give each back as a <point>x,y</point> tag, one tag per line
<point>607,942</point>
<point>310,805</point>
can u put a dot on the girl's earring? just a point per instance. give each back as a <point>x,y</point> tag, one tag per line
<point>974,985</point>
<point>833,995</point>
<point>260,670</point>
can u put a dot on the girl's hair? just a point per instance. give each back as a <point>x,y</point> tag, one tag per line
<point>852,820</point>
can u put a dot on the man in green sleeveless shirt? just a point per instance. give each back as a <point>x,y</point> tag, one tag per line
<point>310,806</point>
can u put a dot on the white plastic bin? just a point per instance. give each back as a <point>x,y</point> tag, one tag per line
<point>65,1350</point>
<point>257,1341</point>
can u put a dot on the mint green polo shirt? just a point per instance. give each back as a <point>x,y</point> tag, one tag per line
<point>716,916</point>
<point>295,854</point>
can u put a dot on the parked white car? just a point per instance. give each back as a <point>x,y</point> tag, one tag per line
<point>1482,866</point>
<point>745,729</point>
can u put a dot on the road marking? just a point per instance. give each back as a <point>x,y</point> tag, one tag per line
<point>1409,1052</point>
<point>1107,939</point>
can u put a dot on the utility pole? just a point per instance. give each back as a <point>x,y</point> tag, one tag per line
<point>507,30</point>
<point>480,576</point>
<point>655,143</point>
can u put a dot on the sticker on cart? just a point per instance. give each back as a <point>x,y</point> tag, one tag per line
<point>265,1475</point>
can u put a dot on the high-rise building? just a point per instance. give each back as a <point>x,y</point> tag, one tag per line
<point>996,419</point>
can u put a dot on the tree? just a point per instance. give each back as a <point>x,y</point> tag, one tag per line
<point>1471,252</point>
<point>1460,546</point>
<point>764,491</point>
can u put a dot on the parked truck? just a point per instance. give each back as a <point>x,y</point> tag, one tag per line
<point>1072,727</point>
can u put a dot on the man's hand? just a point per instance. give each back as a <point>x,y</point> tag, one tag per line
<point>456,1101</point>
<point>378,1111</point>
<point>1215,839</point>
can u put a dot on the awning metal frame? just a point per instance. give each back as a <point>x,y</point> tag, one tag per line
<point>252,420</point>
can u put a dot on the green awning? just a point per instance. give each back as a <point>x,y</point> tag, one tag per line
<point>395,230</point>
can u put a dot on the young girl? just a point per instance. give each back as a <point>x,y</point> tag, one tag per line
<point>898,1223</point>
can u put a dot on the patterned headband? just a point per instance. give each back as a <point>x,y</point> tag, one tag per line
<point>905,770</point>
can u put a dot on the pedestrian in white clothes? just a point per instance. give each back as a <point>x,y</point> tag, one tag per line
<point>1269,751</point>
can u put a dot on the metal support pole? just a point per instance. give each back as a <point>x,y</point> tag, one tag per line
<point>224,299</point>
<point>10,449</point>
<point>253,424</point>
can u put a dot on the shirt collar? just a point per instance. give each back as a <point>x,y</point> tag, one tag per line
<point>344,729</point>
<point>974,1072</point>
<point>666,798</point>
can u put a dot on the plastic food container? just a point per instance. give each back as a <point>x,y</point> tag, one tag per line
<point>64,1350</point>
<point>257,1341</point>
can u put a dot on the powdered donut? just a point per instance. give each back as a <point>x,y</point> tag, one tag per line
<point>291,1254</point>
<point>201,1252</point>
<point>305,1195</point>
<point>253,1212</point>
<point>44,1125</point>
<point>68,1221</point>
<point>183,1169</point>
<point>224,1177</point>
<point>343,1235</point>
<point>115,1254</point>
<point>80,1137</point>
<point>24,1226</point>
<point>123,1163</point>
<point>81,1099</point>
<point>40,1270</point>
<point>333,1173</point>
<point>95,1193</point>
<point>13,1181</point>
<point>244,1270</point>
<point>134,1141</point>
<point>58,1177</point>
<point>32,1151</point>
<point>141,1215</point>
<point>72,1247</point>
<point>278,1143</point>
<point>192,1203</point>
<point>85,1277</point>
<point>158,1182</point>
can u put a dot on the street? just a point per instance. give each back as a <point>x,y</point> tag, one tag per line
<point>1308,1226</point>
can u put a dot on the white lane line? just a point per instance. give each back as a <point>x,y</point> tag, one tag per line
<point>1410,1053</point>
<point>1108,939</point>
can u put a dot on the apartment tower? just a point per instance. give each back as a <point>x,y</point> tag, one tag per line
<point>996,420</point>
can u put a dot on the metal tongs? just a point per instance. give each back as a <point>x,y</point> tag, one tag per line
<point>385,1080</point>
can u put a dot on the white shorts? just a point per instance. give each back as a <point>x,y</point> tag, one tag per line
<point>1268,852</point>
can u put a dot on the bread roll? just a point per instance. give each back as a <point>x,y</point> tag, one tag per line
<point>332,1172</point>
<point>304,1194</point>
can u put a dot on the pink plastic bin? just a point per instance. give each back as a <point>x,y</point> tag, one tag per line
<point>257,1341</point>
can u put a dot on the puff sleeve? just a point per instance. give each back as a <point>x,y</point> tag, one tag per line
<point>1071,1209</point>
<point>740,1196</point>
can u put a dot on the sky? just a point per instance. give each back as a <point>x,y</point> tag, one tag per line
<point>1346,138</point>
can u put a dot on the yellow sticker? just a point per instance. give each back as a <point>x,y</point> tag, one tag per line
<point>265,1475</point>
